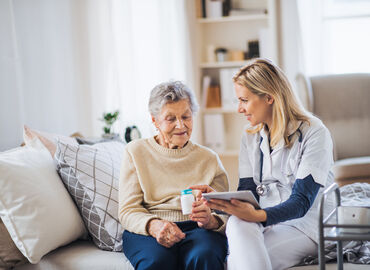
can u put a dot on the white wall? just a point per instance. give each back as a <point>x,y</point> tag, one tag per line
<point>10,113</point>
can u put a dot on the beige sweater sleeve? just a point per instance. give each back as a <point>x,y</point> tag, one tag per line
<point>132,215</point>
<point>220,183</point>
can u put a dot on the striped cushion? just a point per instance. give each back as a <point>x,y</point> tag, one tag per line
<point>91,175</point>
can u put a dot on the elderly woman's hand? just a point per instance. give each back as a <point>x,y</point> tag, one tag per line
<point>201,213</point>
<point>167,233</point>
<point>202,188</point>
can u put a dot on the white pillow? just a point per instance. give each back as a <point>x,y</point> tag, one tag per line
<point>35,206</point>
<point>48,140</point>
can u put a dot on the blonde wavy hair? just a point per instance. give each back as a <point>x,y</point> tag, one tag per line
<point>262,77</point>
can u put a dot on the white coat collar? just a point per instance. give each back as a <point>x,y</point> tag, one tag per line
<point>292,128</point>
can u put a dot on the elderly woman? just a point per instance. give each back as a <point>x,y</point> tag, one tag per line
<point>154,171</point>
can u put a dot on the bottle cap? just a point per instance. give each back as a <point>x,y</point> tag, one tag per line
<point>186,191</point>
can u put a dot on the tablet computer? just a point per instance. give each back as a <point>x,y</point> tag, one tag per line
<point>243,195</point>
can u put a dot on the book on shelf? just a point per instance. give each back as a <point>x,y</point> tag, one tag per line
<point>205,86</point>
<point>213,97</point>
<point>214,136</point>
<point>228,96</point>
<point>226,7</point>
<point>199,8</point>
<point>204,13</point>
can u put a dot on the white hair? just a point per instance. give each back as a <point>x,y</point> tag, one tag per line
<point>170,92</point>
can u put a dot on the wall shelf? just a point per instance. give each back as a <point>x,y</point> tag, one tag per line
<point>222,128</point>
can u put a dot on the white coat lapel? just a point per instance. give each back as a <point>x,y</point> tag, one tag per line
<point>265,148</point>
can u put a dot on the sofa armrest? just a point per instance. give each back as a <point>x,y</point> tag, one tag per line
<point>351,170</point>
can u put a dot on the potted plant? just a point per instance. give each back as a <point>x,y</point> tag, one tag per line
<point>109,119</point>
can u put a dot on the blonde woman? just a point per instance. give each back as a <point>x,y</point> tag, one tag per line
<point>285,160</point>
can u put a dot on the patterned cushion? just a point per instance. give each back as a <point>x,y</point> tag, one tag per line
<point>91,175</point>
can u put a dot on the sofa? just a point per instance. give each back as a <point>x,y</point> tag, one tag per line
<point>57,195</point>
<point>63,226</point>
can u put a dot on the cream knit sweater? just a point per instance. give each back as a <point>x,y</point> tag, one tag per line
<point>153,176</point>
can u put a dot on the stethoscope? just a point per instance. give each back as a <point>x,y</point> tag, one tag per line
<point>263,189</point>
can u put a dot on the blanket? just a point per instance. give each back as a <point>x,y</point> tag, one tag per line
<point>357,194</point>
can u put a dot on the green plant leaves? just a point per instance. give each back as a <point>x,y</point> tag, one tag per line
<point>109,119</point>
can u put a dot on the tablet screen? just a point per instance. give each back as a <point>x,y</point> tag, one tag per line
<point>243,195</point>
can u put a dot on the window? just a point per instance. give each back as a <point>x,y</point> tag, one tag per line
<point>345,36</point>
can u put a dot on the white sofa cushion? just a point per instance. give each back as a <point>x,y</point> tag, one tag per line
<point>81,255</point>
<point>91,175</point>
<point>34,204</point>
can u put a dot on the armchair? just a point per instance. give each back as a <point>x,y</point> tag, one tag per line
<point>342,102</point>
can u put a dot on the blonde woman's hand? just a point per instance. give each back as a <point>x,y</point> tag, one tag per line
<point>201,214</point>
<point>242,210</point>
<point>165,232</point>
<point>202,189</point>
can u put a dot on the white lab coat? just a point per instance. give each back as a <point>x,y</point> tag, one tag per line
<point>284,165</point>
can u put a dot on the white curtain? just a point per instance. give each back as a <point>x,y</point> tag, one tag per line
<point>64,62</point>
<point>311,33</point>
<point>42,81</point>
<point>290,40</point>
<point>141,43</point>
<point>300,37</point>
<point>300,42</point>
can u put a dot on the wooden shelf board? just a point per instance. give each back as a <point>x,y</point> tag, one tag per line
<point>239,18</point>
<point>224,64</point>
<point>219,110</point>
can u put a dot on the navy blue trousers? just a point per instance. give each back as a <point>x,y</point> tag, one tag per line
<point>200,250</point>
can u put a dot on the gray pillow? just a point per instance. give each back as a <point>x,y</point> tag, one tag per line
<point>91,175</point>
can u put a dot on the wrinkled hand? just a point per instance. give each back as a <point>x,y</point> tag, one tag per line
<point>201,213</point>
<point>242,210</point>
<point>167,233</point>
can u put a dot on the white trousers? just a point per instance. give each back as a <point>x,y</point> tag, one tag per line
<point>276,247</point>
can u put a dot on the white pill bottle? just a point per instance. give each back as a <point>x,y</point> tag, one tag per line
<point>187,199</point>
